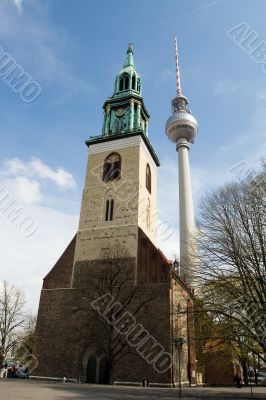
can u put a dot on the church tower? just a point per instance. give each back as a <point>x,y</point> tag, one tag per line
<point>121,182</point>
<point>125,111</point>
<point>118,211</point>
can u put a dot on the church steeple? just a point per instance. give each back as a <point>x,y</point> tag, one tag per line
<point>125,111</point>
<point>129,59</point>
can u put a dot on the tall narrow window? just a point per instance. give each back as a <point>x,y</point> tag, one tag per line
<point>134,82</point>
<point>121,84</point>
<point>163,274</point>
<point>153,268</point>
<point>138,86</point>
<point>148,178</point>
<point>112,167</point>
<point>135,115</point>
<point>109,210</point>
<point>126,82</point>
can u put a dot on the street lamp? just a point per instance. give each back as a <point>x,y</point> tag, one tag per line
<point>179,344</point>
<point>176,266</point>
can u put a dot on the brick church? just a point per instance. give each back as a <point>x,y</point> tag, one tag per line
<point>145,331</point>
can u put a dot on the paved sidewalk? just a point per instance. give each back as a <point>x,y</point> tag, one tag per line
<point>13,389</point>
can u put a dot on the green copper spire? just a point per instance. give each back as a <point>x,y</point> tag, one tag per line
<point>129,59</point>
<point>125,111</point>
<point>128,79</point>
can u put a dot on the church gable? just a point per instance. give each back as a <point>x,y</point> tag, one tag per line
<point>60,275</point>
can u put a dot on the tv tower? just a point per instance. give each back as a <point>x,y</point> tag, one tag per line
<point>181,128</point>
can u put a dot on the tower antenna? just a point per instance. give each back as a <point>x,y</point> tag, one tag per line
<point>181,128</point>
<point>178,82</point>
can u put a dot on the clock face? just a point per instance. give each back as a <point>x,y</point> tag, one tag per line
<point>120,112</point>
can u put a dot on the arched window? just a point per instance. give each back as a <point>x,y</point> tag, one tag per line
<point>109,210</point>
<point>112,167</point>
<point>107,206</point>
<point>111,214</point>
<point>138,86</point>
<point>121,84</point>
<point>124,82</point>
<point>134,82</point>
<point>148,178</point>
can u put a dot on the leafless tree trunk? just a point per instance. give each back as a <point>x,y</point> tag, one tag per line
<point>27,337</point>
<point>12,303</point>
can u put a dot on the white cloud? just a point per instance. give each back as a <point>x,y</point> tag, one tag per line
<point>225,87</point>
<point>35,168</point>
<point>26,261</point>
<point>261,94</point>
<point>18,4</point>
<point>25,190</point>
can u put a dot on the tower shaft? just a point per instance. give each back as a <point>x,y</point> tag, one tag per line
<point>181,128</point>
<point>186,214</point>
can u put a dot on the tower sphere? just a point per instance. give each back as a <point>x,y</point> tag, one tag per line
<point>181,124</point>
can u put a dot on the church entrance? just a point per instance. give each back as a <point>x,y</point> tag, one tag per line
<point>104,371</point>
<point>95,369</point>
<point>91,370</point>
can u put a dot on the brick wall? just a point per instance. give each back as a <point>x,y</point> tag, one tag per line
<point>60,275</point>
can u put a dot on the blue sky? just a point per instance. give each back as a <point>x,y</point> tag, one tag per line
<point>73,49</point>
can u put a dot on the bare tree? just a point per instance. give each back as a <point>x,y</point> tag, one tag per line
<point>12,303</point>
<point>232,259</point>
<point>27,337</point>
<point>114,275</point>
